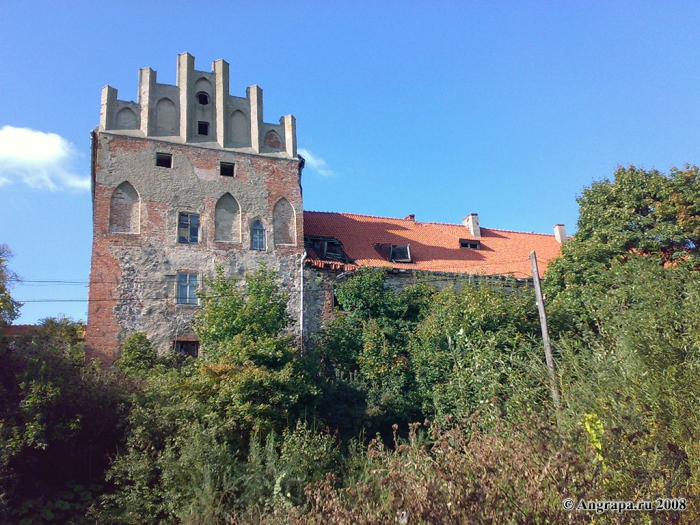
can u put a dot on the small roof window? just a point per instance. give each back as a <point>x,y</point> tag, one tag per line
<point>400,253</point>
<point>327,248</point>
<point>469,245</point>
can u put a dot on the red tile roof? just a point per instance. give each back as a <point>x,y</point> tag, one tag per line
<point>434,246</point>
<point>17,330</point>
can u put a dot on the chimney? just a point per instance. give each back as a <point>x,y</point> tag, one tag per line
<point>560,233</point>
<point>471,221</point>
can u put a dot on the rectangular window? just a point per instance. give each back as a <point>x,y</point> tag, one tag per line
<point>164,160</point>
<point>190,348</point>
<point>202,128</point>
<point>471,245</point>
<point>227,169</point>
<point>187,288</point>
<point>188,228</point>
<point>257,236</point>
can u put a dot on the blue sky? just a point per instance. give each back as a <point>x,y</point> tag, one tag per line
<point>506,109</point>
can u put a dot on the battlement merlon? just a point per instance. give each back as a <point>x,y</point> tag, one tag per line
<point>198,110</point>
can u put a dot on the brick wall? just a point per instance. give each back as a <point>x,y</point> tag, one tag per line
<point>133,275</point>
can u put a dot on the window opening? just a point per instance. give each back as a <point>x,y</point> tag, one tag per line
<point>472,245</point>
<point>202,128</point>
<point>257,236</point>
<point>187,288</point>
<point>190,348</point>
<point>326,248</point>
<point>188,228</point>
<point>164,160</point>
<point>227,169</point>
<point>400,253</point>
<point>202,98</point>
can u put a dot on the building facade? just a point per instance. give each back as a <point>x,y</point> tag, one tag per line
<point>185,179</point>
<point>188,178</point>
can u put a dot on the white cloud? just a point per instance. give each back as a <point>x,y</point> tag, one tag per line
<point>37,159</point>
<point>316,163</point>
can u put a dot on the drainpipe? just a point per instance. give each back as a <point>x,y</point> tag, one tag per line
<point>301,300</point>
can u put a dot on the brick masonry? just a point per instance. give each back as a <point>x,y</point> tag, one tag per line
<point>134,273</point>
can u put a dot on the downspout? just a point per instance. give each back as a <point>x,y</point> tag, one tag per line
<point>301,300</point>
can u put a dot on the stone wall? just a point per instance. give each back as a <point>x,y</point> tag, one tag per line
<point>319,284</point>
<point>133,281</point>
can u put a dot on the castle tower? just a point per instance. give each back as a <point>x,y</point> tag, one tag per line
<point>185,179</point>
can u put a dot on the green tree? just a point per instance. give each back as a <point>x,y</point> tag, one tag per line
<point>639,211</point>
<point>472,351</point>
<point>59,420</point>
<point>9,308</point>
<point>194,451</point>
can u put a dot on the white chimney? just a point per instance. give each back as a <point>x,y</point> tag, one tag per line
<point>471,222</point>
<point>560,233</point>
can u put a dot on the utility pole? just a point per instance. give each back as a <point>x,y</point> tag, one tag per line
<point>545,333</point>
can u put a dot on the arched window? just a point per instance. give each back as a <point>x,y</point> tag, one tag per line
<point>257,236</point>
<point>124,212</point>
<point>284,223</point>
<point>227,220</point>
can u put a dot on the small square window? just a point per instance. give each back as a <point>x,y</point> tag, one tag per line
<point>164,160</point>
<point>187,284</point>
<point>202,128</point>
<point>227,169</point>
<point>188,228</point>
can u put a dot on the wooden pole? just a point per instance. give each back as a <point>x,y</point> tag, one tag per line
<point>545,333</point>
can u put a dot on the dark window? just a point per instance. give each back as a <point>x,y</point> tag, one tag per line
<point>187,288</point>
<point>164,160</point>
<point>203,128</point>
<point>257,236</point>
<point>188,228</point>
<point>472,245</point>
<point>400,253</point>
<point>327,248</point>
<point>202,98</point>
<point>227,169</point>
<point>190,348</point>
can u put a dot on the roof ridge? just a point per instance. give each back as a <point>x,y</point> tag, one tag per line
<point>427,222</point>
<point>516,231</point>
<point>359,215</point>
<point>385,217</point>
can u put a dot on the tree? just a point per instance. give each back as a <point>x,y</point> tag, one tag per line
<point>9,308</point>
<point>59,421</point>
<point>639,212</point>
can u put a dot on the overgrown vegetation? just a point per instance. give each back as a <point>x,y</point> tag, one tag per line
<point>411,406</point>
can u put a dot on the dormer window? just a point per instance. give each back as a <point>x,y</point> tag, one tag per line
<point>400,253</point>
<point>202,98</point>
<point>469,245</point>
